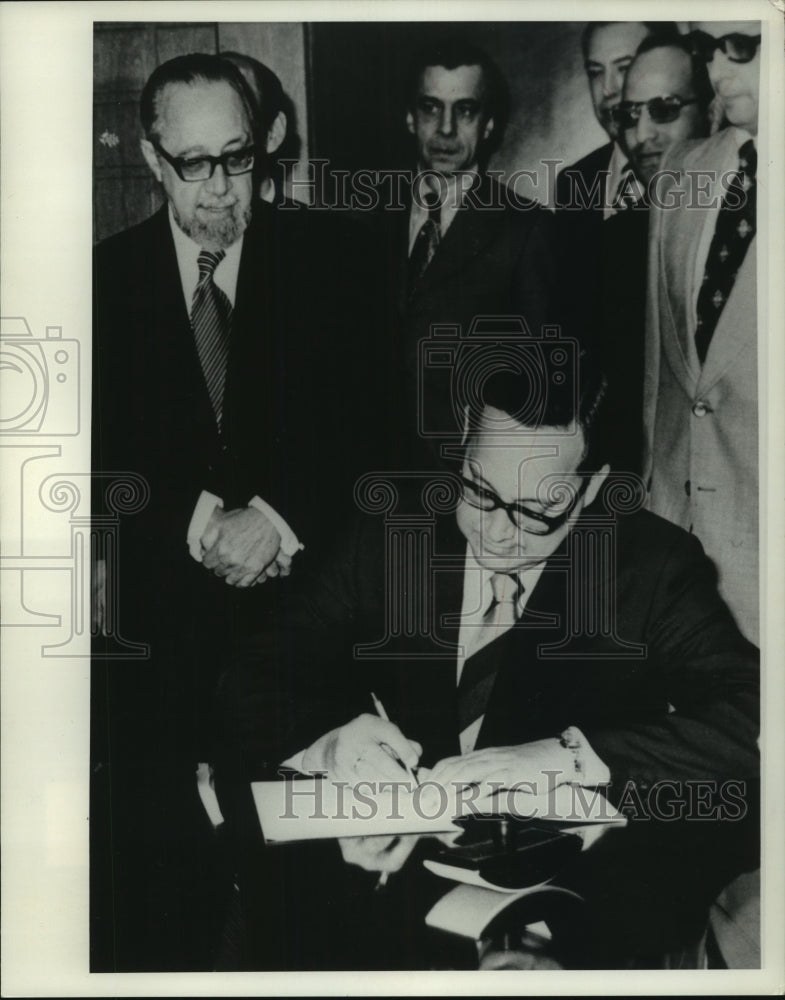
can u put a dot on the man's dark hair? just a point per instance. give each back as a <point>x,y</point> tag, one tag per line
<point>701,84</point>
<point>454,52</point>
<point>539,395</point>
<point>197,67</point>
<point>659,29</point>
<point>266,85</point>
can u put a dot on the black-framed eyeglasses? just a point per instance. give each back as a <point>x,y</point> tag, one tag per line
<point>202,168</point>
<point>522,517</point>
<point>661,110</point>
<point>737,47</point>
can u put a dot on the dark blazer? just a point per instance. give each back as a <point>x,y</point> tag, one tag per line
<point>580,196</point>
<point>293,433</point>
<point>293,422</point>
<point>496,259</point>
<point>582,176</point>
<point>673,645</point>
<point>292,356</point>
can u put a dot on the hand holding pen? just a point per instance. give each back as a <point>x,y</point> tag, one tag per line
<point>383,715</point>
<point>380,711</point>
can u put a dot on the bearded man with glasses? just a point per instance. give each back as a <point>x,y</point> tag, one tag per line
<point>209,361</point>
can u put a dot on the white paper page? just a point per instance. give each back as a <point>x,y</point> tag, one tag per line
<point>468,909</point>
<point>468,876</point>
<point>315,808</point>
<point>564,804</point>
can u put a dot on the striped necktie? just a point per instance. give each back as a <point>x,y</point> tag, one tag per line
<point>479,671</point>
<point>211,319</point>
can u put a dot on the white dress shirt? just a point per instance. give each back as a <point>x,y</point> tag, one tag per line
<point>477,598</point>
<point>225,277</point>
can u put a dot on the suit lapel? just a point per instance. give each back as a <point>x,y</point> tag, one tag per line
<point>682,231</point>
<point>727,342</point>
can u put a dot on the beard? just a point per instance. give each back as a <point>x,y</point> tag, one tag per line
<point>219,233</point>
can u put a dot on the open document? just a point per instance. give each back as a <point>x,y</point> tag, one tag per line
<point>314,808</point>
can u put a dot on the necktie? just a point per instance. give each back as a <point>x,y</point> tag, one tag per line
<point>627,191</point>
<point>211,319</point>
<point>732,236</point>
<point>427,240</point>
<point>480,668</point>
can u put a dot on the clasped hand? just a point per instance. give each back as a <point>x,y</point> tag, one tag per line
<point>243,547</point>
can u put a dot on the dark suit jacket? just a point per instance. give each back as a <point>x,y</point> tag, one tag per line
<point>291,351</point>
<point>575,183</point>
<point>496,259</point>
<point>580,196</point>
<point>292,434</point>
<point>673,644</point>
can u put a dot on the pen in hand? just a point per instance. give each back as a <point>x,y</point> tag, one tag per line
<point>380,711</point>
<point>383,715</point>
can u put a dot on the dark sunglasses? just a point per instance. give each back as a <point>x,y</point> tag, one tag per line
<point>661,110</point>
<point>737,47</point>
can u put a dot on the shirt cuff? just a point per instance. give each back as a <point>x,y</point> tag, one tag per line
<point>205,506</point>
<point>589,769</point>
<point>289,541</point>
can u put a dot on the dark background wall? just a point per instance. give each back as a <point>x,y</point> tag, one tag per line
<point>345,81</point>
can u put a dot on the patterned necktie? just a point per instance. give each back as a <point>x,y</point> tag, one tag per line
<point>479,671</point>
<point>427,240</point>
<point>211,319</point>
<point>732,236</point>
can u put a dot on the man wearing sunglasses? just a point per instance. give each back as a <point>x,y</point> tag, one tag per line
<point>701,411</point>
<point>701,394</point>
<point>601,184</point>
<point>666,97</point>
<point>209,361</point>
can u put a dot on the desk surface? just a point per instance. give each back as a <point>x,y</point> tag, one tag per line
<point>645,891</point>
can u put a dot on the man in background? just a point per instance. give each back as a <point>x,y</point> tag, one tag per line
<point>590,191</point>
<point>701,392</point>
<point>666,98</point>
<point>467,246</point>
<point>701,370</point>
<point>272,123</point>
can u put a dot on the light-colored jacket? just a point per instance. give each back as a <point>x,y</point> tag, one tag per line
<point>702,422</point>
